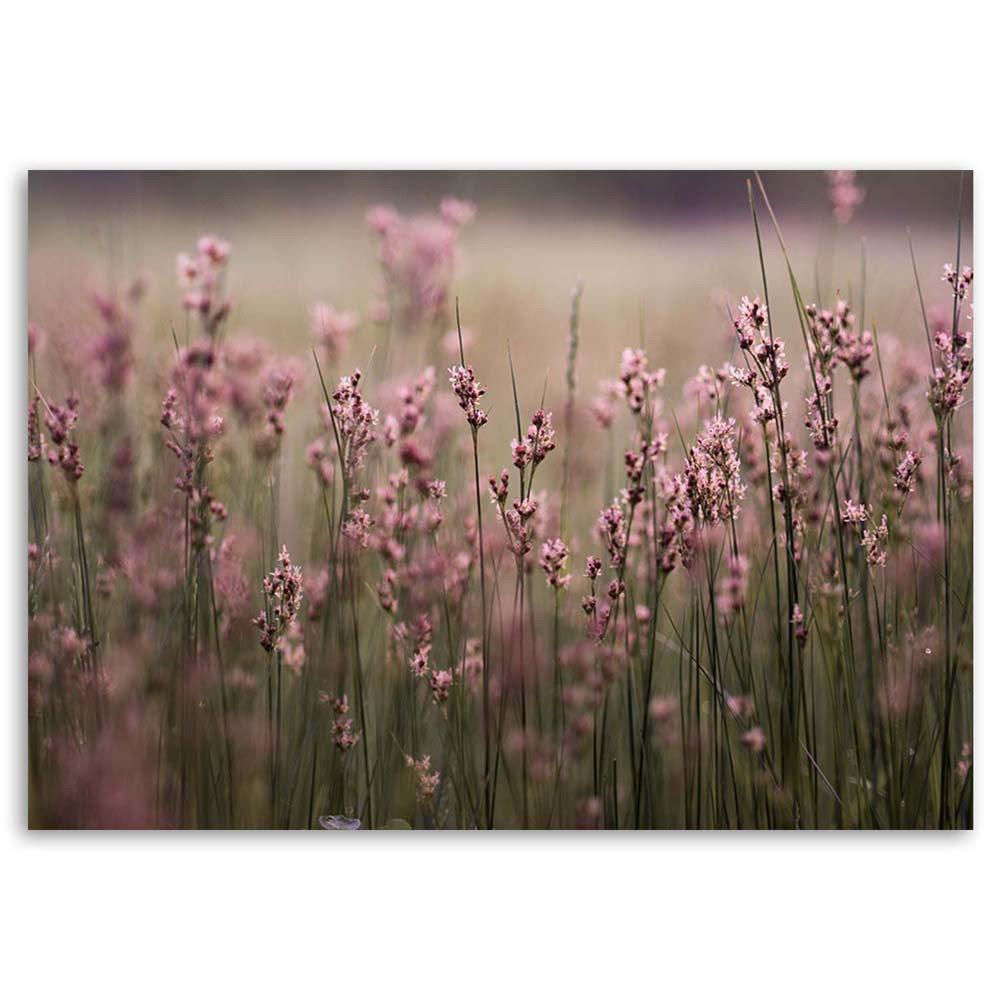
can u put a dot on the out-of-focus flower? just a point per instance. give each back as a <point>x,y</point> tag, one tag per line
<point>200,279</point>
<point>427,780</point>
<point>331,329</point>
<point>553,561</point>
<point>637,378</point>
<point>732,588</point>
<point>60,422</point>
<point>342,732</point>
<point>846,197</point>
<point>417,256</point>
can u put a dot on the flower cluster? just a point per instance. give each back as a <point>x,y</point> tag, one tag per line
<point>283,597</point>
<point>874,541</point>
<point>111,351</point>
<point>191,414</point>
<point>439,682</point>
<point>413,397</point>
<point>824,332</point>
<point>906,472</point>
<point>354,422</point>
<point>276,393</point>
<point>553,561</point>
<point>952,373</point>
<point>321,457</point>
<point>417,256</point>
<point>469,392</point>
<point>798,622</point>
<point>60,422</point>
<point>200,278</point>
<point>844,193</point>
<point>854,513</point>
<point>427,780</point>
<point>342,732</point>
<point>733,587</point>
<point>470,664</point>
<point>357,527</point>
<point>499,489</point>
<point>755,338</point>
<point>750,322</point>
<point>403,427</point>
<point>611,528</point>
<point>675,535</point>
<point>706,384</point>
<point>517,520</point>
<point>854,350</point>
<point>192,407</point>
<point>604,406</point>
<point>636,378</point>
<point>331,329</point>
<point>712,471</point>
<point>874,537</point>
<point>536,444</point>
<point>959,281</point>
<point>636,464</point>
<point>589,602</point>
<point>35,446</point>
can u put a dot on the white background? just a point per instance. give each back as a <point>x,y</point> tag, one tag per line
<point>501,84</point>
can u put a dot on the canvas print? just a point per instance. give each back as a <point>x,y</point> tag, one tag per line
<point>476,501</point>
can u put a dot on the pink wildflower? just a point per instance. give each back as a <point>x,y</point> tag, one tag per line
<point>427,780</point>
<point>342,728</point>
<point>332,329</point>
<point>845,194</point>
<point>283,596</point>
<point>712,471</point>
<point>469,392</point>
<point>553,561</point>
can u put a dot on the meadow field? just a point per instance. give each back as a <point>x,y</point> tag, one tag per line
<point>434,505</point>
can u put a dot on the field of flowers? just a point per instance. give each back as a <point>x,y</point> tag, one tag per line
<point>406,535</point>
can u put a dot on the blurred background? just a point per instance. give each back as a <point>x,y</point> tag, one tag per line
<point>662,255</point>
<point>639,196</point>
